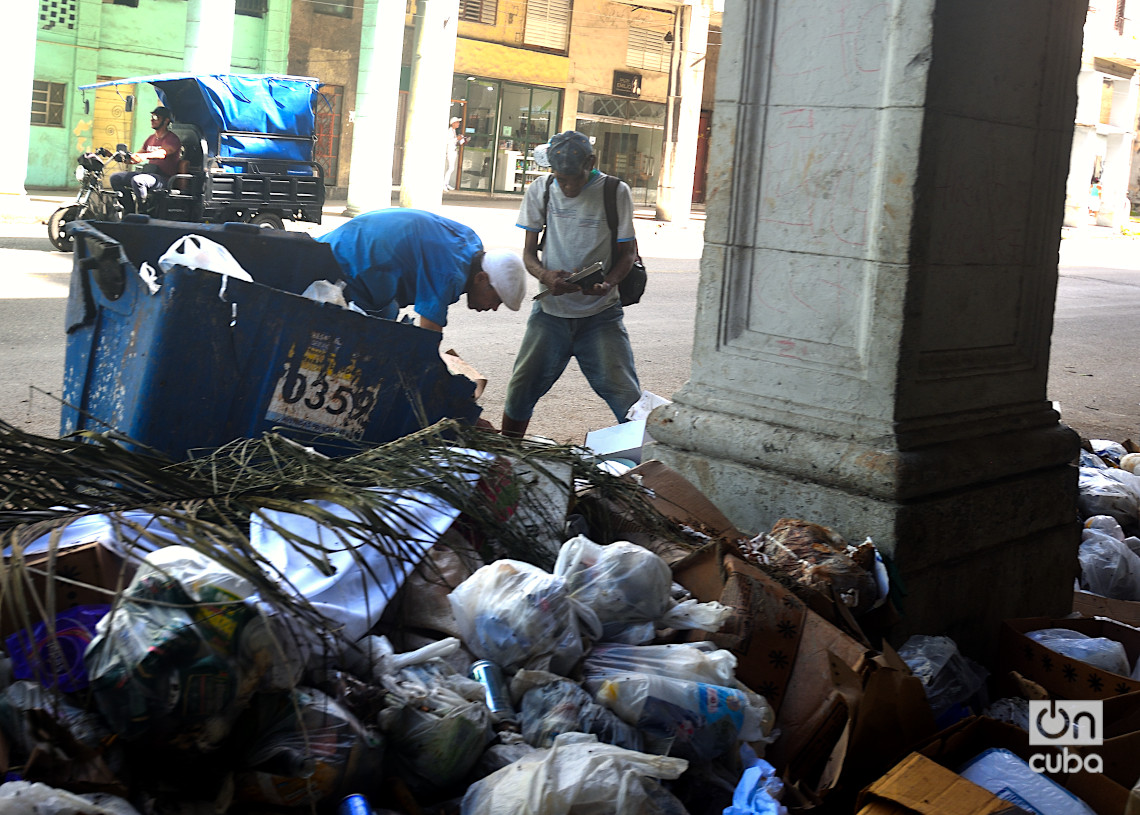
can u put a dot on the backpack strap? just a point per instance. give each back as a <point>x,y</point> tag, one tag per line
<point>545,209</point>
<point>609,196</point>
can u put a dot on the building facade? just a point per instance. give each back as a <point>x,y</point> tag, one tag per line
<point>1102,171</point>
<point>80,42</point>
<point>525,70</point>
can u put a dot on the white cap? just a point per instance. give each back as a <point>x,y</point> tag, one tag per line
<point>507,276</point>
<point>454,119</point>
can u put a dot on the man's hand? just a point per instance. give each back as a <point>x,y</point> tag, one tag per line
<point>599,289</point>
<point>555,281</point>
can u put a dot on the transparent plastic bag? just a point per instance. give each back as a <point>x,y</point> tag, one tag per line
<point>948,677</point>
<point>1108,566</point>
<point>578,776</point>
<point>305,747</point>
<point>518,616</point>
<point>1110,492</point>
<point>563,707</point>
<point>695,662</point>
<point>437,723</point>
<point>693,720</point>
<point>166,661</point>
<point>629,588</point>
<point>1101,652</point>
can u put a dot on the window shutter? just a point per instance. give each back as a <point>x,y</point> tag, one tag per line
<point>478,11</point>
<point>547,24</point>
<point>647,49</point>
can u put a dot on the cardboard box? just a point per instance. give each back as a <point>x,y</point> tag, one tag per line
<point>620,441</point>
<point>1062,676</point>
<point>842,710</point>
<point>920,785</point>
<point>85,574</point>
<point>1093,605</point>
<point>961,742</point>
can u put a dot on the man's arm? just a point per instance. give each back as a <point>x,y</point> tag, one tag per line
<point>424,322</point>
<point>620,268</point>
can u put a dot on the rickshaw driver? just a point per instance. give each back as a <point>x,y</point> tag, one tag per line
<point>398,257</point>
<point>162,150</point>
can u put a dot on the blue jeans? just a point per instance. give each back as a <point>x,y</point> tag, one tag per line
<point>599,343</point>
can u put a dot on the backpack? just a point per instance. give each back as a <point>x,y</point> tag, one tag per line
<point>633,285</point>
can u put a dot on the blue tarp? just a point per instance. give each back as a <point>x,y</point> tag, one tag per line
<point>233,110</point>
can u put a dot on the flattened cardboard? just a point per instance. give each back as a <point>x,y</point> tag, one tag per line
<point>921,786</point>
<point>1062,676</point>
<point>456,365</point>
<point>1088,604</point>
<point>676,498</point>
<point>81,571</point>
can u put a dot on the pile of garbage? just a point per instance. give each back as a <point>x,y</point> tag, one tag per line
<point>461,623</point>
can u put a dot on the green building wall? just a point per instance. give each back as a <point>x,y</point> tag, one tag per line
<point>113,41</point>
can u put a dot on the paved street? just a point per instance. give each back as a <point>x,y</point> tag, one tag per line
<point>1092,375</point>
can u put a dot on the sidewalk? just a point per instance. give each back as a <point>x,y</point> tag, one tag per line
<point>493,218</point>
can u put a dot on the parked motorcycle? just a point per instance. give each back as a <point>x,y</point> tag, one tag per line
<point>93,202</point>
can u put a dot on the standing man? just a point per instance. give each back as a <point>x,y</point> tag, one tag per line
<point>396,257</point>
<point>571,321</point>
<point>454,140</point>
<point>162,149</point>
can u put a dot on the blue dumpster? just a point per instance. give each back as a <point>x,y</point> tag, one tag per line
<point>206,359</point>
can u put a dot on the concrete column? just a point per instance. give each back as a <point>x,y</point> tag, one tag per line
<point>1115,208</point>
<point>377,100</point>
<point>18,44</point>
<point>429,103</point>
<point>872,334</point>
<point>209,36</point>
<point>675,192</point>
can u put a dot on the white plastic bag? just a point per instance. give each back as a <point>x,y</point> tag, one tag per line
<point>577,776</point>
<point>197,252</point>
<point>325,291</point>
<point>518,616</point>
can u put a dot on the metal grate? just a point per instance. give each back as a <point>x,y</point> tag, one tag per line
<point>251,8</point>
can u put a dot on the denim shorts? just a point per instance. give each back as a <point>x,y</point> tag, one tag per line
<point>599,343</point>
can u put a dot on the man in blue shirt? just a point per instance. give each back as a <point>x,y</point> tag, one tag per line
<point>397,257</point>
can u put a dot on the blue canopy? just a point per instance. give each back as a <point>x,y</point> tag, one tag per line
<point>268,116</point>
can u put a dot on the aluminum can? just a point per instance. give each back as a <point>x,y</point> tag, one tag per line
<point>355,805</point>
<point>490,676</point>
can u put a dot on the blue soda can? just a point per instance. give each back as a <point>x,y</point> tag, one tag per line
<point>355,805</point>
<point>490,676</point>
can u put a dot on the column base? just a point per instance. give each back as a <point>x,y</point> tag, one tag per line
<point>966,556</point>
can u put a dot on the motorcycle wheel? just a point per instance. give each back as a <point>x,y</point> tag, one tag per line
<point>56,227</point>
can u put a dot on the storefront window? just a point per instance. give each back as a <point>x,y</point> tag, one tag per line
<point>628,136</point>
<point>504,122</point>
